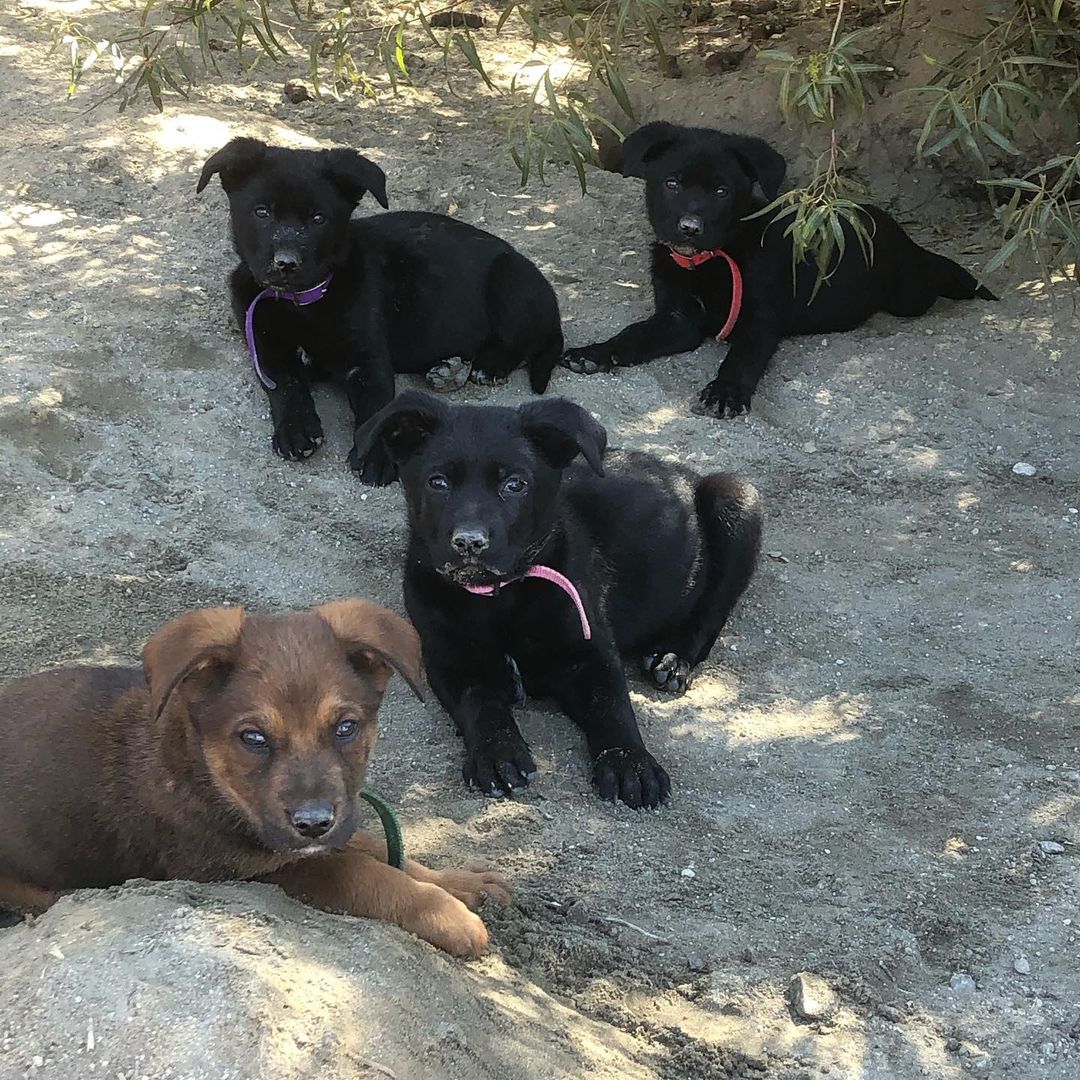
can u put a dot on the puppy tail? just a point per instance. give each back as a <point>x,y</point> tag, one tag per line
<point>952,280</point>
<point>731,516</point>
<point>543,362</point>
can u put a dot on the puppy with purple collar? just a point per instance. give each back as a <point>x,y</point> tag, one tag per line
<point>320,296</point>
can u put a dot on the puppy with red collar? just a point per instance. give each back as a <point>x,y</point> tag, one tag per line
<point>719,271</point>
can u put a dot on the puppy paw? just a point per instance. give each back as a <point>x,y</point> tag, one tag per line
<point>722,398</point>
<point>475,885</point>
<point>670,673</point>
<point>588,360</point>
<point>500,766</point>
<point>445,922</point>
<point>450,374</point>
<point>372,473</point>
<point>299,435</point>
<point>487,378</point>
<point>632,774</point>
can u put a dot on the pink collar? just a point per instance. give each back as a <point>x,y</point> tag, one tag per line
<point>301,299</point>
<point>692,262</point>
<point>547,574</point>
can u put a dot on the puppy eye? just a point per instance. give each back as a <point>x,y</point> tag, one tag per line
<point>672,184</point>
<point>721,191</point>
<point>438,482</point>
<point>254,739</point>
<point>346,730</point>
<point>514,485</point>
<point>262,211</point>
<point>318,218</point>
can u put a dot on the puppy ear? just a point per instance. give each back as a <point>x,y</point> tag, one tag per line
<point>377,641</point>
<point>200,642</point>
<point>354,175</point>
<point>642,147</point>
<point>235,160</point>
<point>393,434</point>
<point>560,430</point>
<point>759,161</point>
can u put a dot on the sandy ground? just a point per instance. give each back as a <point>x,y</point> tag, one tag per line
<point>863,771</point>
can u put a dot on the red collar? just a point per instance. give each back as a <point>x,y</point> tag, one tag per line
<point>692,262</point>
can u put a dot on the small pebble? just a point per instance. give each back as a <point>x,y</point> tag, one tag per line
<point>811,996</point>
<point>296,91</point>
<point>1021,966</point>
<point>962,983</point>
<point>890,1013</point>
<point>687,872</point>
<point>1022,468</point>
<point>699,964</point>
<point>1051,847</point>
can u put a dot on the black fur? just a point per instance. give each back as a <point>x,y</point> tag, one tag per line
<point>659,555</point>
<point>696,177</point>
<point>410,290</point>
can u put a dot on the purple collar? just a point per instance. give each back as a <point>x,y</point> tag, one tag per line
<point>301,299</point>
<point>546,574</point>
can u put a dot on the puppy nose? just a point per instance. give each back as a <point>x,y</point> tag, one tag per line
<point>470,541</point>
<point>286,260</point>
<point>691,225</point>
<point>313,818</point>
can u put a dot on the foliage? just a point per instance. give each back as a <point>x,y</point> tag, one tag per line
<point>1007,100</point>
<point>1012,88</point>
<point>816,90</point>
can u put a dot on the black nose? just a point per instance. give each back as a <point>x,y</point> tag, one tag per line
<point>470,541</point>
<point>313,818</point>
<point>690,225</point>
<point>286,260</point>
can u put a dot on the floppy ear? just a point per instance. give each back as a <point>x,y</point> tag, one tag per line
<point>393,434</point>
<point>759,161</point>
<point>235,160</point>
<point>354,175</point>
<point>560,430</point>
<point>644,146</point>
<point>377,641</point>
<point>199,643</point>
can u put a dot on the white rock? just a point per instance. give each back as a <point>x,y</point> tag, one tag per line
<point>1022,966</point>
<point>962,983</point>
<point>1022,468</point>
<point>811,996</point>
<point>1051,847</point>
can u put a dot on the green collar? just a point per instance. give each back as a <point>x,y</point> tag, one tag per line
<point>395,842</point>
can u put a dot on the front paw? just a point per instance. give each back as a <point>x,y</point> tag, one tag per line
<point>722,398</point>
<point>374,472</point>
<point>445,922</point>
<point>474,885</point>
<point>299,434</point>
<point>632,774</point>
<point>588,360</point>
<point>500,766</point>
<point>670,673</point>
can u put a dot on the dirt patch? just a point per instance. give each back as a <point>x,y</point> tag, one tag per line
<point>863,772</point>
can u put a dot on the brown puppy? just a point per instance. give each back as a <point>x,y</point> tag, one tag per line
<point>237,753</point>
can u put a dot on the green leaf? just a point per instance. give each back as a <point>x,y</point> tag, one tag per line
<point>468,49</point>
<point>998,139</point>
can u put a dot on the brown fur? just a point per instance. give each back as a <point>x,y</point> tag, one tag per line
<point>111,773</point>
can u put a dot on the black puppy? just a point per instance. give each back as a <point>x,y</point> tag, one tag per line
<point>319,295</point>
<point>715,273</point>
<point>529,571</point>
